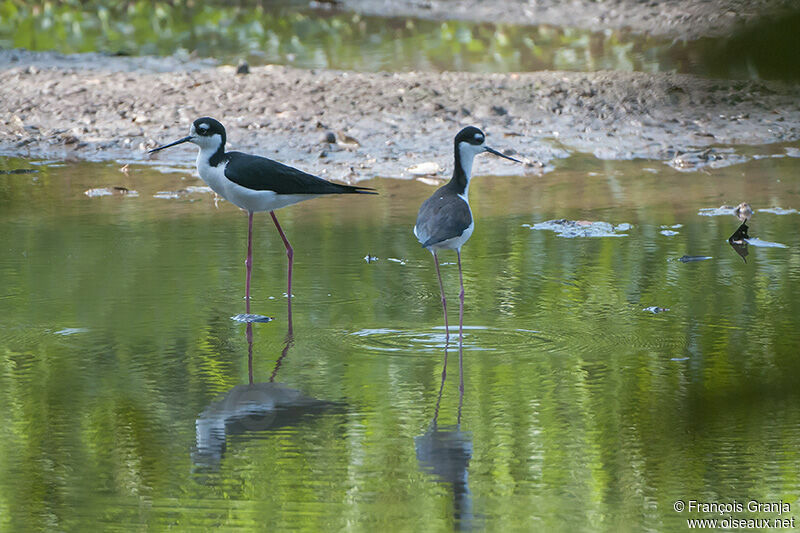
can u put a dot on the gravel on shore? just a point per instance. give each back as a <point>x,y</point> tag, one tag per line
<point>95,107</point>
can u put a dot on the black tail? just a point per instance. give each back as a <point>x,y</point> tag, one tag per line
<point>353,189</point>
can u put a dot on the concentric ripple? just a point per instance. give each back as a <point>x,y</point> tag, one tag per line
<point>433,340</point>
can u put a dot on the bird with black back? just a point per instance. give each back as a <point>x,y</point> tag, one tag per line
<point>445,221</point>
<point>254,183</point>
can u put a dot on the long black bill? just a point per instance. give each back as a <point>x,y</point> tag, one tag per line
<point>495,152</point>
<point>179,141</point>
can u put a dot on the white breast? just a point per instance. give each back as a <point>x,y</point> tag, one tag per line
<point>213,176</point>
<point>243,197</point>
<point>456,242</point>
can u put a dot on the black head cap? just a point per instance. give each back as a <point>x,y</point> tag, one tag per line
<point>207,126</point>
<point>471,135</point>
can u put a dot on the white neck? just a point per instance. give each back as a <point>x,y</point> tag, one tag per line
<point>467,153</point>
<point>208,146</point>
<point>213,176</point>
<point>204,154</point>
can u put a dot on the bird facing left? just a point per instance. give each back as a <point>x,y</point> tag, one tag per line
<point>254,183</point>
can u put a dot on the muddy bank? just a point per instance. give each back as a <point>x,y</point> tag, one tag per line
<point>96,108</point>
<point>681,19</point>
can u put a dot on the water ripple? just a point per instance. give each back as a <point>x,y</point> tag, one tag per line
<point>481,338</point>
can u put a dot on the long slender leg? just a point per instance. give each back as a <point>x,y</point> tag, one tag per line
<point>249,261</point>
<point>461,298</point>
<point>441,387</point>
<point>290,331</point>
<point>249,335</point>
<point>288,344</point>
<point>460,338</point>
<point>461,377</point>
<point>289,254</point>
<point>444,302</point>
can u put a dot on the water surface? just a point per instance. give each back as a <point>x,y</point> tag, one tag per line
<point>124,396</point>
<point>291,33</point>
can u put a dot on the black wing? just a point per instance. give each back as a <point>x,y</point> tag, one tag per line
<point>442,217</point>
<point>262,174</point>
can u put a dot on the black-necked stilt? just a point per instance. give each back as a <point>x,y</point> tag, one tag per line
<point>445,219</point>
<point>254,183</point>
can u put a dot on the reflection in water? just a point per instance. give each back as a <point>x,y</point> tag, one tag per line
<point>567,429</point>
<point>275,33</point>
<point>738,240</point>
<point>445,451</point>
<point>252,408</point>
<point>765,48</point>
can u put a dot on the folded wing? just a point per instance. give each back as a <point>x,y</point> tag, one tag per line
<point>442,217</point>
<point>262,174</point>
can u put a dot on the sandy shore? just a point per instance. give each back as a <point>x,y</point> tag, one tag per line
<point>110,108</point>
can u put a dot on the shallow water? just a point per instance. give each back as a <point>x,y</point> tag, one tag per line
<point>292,34</point>
<point>123,380</point>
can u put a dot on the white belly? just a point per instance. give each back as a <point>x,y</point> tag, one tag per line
<point>243,197</point>
<point>261,200</point>
<point>456,242</point>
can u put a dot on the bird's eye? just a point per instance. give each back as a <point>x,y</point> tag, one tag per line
<point>479,137</point>
<point>203,128</point>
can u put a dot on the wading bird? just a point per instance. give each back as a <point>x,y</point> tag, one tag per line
<point>445,219</point>
<point>254,183</point>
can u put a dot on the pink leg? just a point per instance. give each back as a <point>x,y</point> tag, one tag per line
<point>461,378</point>
<point>444,302</point>
<point>461,298</point>
<point>460,330</point>
<point>441,387</point>
<point>279,362</point>
<point>290,331</point>
<point>289,254</point>
<point>249,335</point>
<point>249,261</point>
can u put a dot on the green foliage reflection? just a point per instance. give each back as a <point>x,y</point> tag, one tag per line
<point>286,34</point>
<point>582,408</point>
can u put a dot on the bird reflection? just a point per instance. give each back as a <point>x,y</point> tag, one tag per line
<point>738,241</point>
<point>445,451</point>
<point>251,409</point>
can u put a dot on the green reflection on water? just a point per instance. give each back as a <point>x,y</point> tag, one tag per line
<point>582,410</point>
<point>286,34</point>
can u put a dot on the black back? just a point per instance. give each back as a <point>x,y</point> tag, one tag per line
<point>442,216</point>
<point>261,174</point>
<point>445,214</point>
